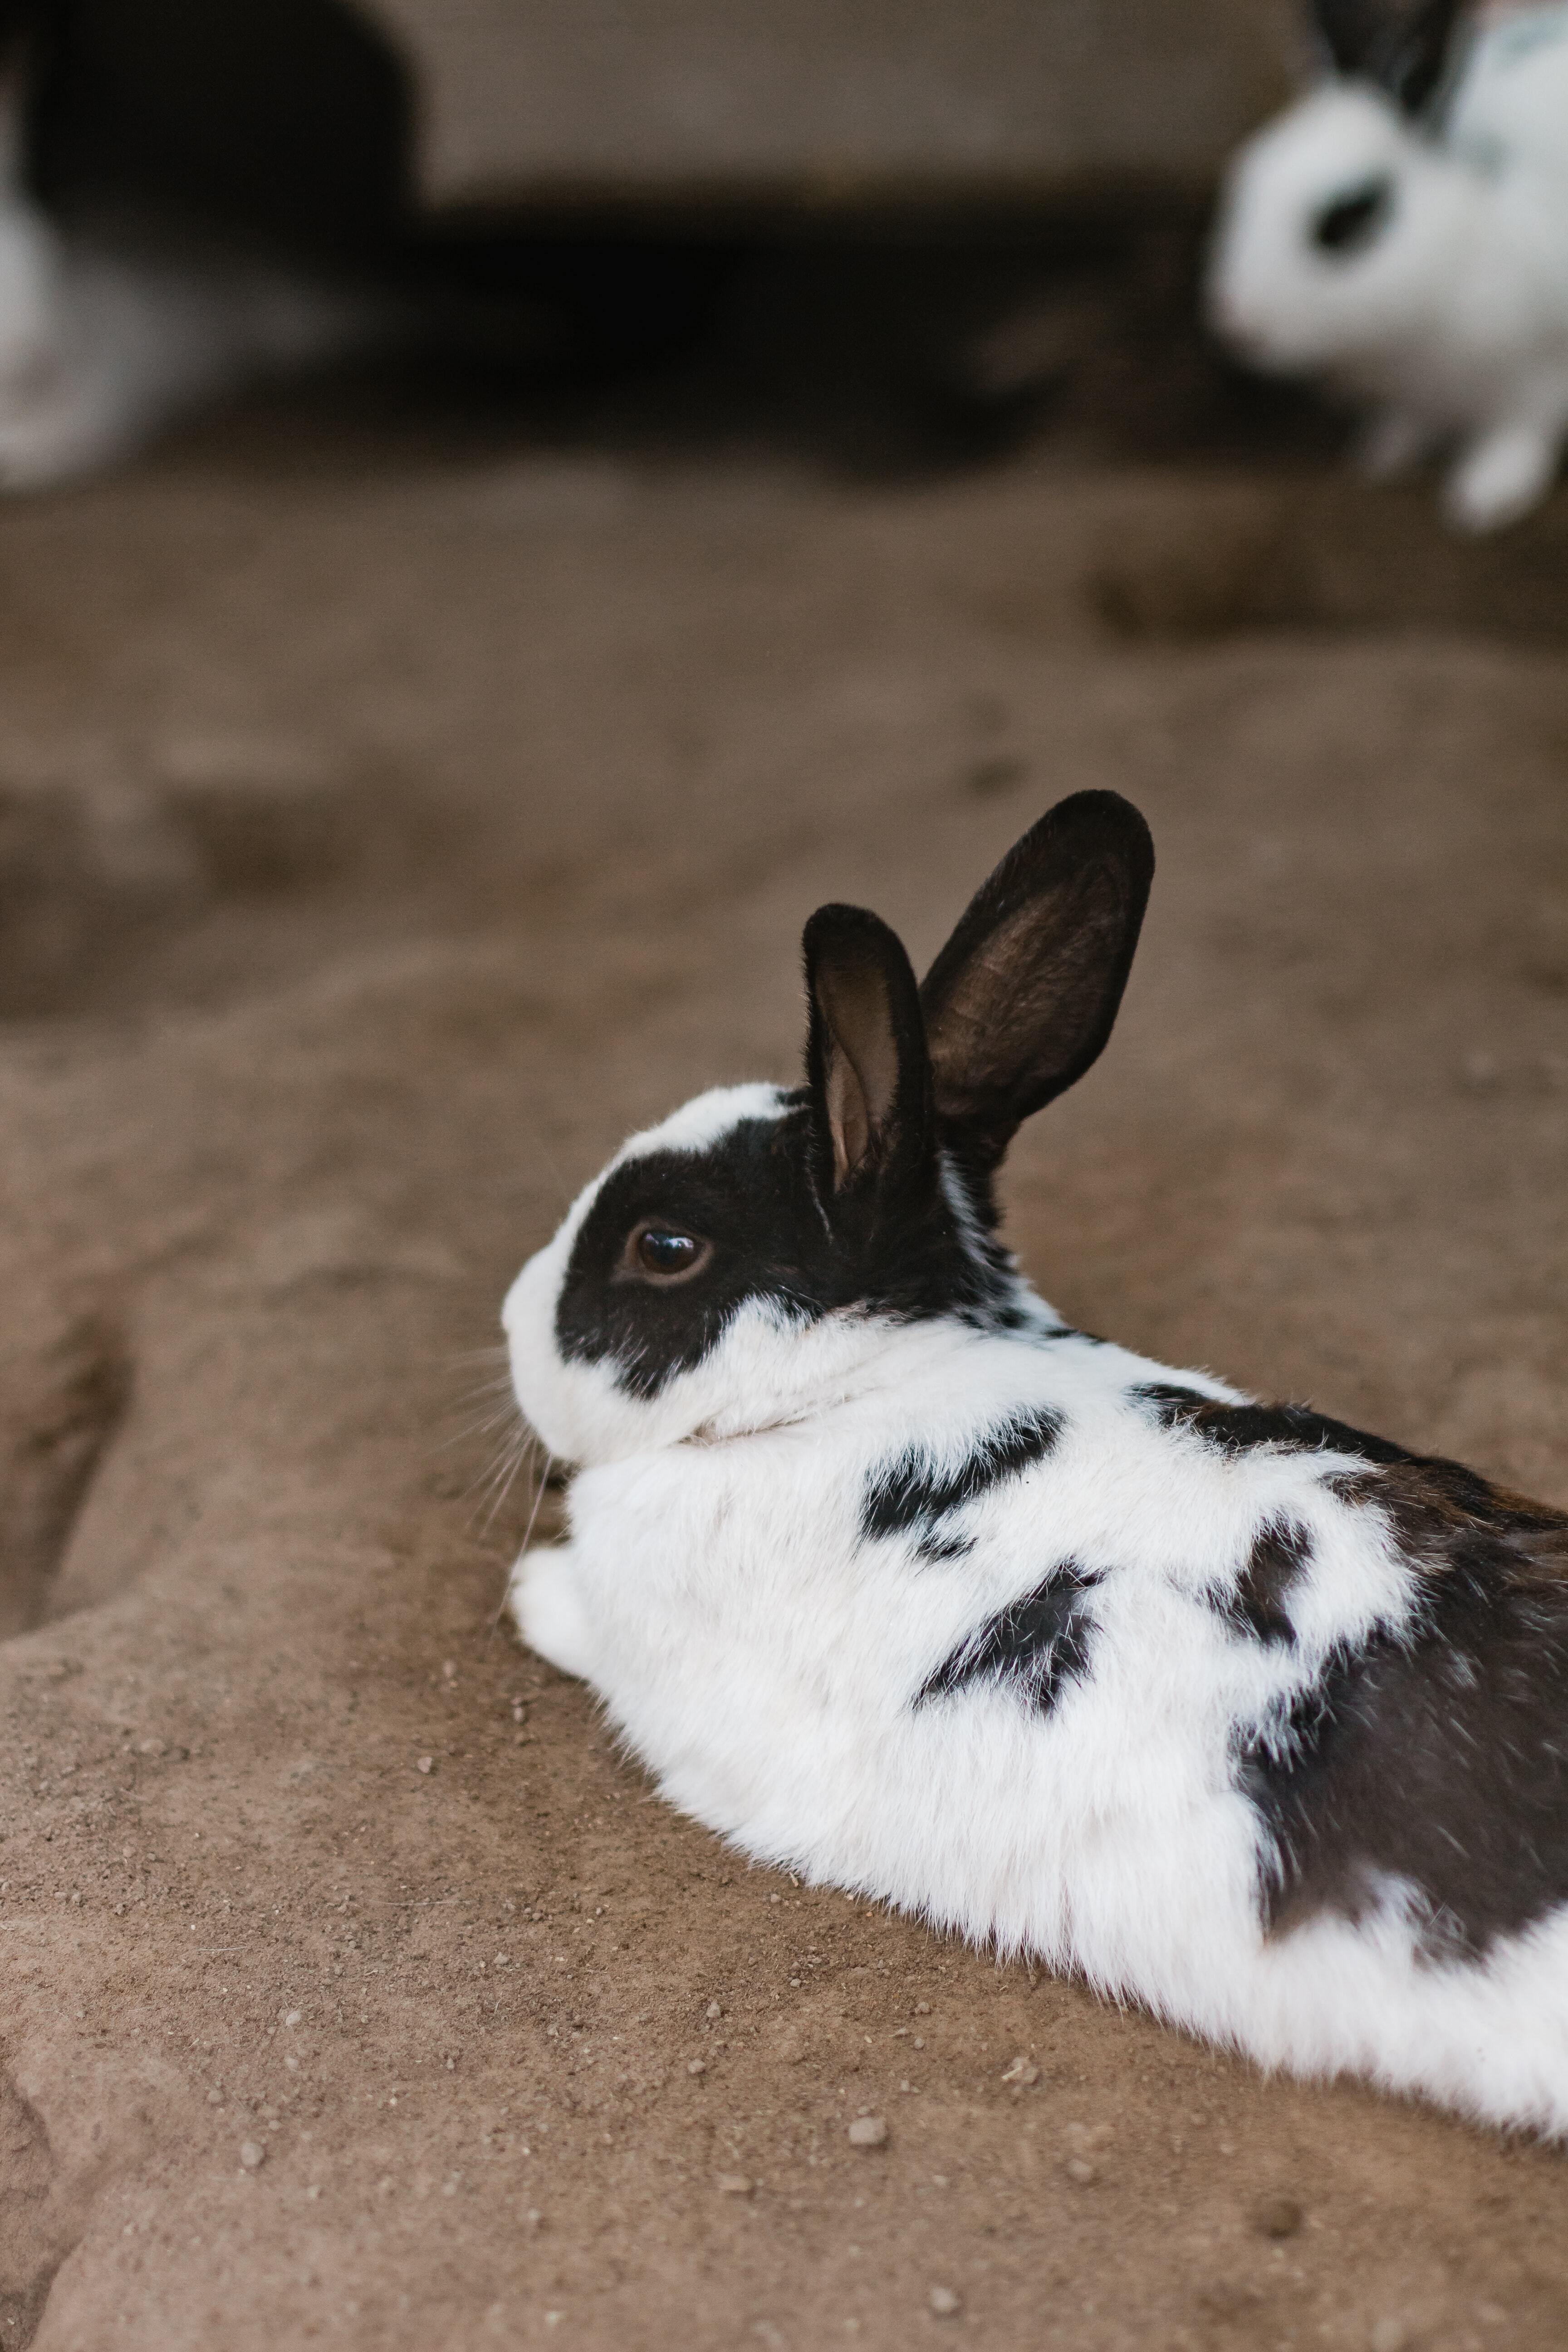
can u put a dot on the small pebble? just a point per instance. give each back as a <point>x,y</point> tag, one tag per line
<point>1389,2336</point>
<point>252,2153</point>
<point>425,1764</point>
<point>696,2066</point>
<point>712,2010</point>
<point>1276,2217</point>
<point>214,2098</point>
<point>868,2131</point>
<point>734,2184</point>
<point>293,2017</point>
<point>1022,2071</point>
<point>1079,2169</point>
<point>945,2302</point>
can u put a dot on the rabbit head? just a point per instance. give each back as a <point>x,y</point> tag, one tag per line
<point>763,1246</point>
<point>1340,221</point>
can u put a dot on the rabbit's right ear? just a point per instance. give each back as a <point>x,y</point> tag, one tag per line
<point>1022,999</point>
<point>1403,45</point>
<point>867,1073</point>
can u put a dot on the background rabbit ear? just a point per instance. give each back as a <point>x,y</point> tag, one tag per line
<point>867,1065</point>
<point>1404,46</point>
<point>1022,999</point>
<point>1350,31</point>
<point>1418,57</point>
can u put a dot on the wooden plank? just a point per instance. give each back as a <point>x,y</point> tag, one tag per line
<point>812,103</point>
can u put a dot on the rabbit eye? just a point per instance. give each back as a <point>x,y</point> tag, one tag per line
<point>1351,222</point>
<point>664,1253</point>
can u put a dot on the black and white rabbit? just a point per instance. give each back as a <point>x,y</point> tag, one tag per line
<point>1402,233</point>
<point>888,1576</point>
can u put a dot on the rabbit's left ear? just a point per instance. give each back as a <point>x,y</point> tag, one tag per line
<point>1021,1000</point>
<point>867,1069</point>
<point>1403,45</point>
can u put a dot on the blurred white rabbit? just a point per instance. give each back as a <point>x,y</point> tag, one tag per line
<point>1402,235</point>
<point>105,338</point>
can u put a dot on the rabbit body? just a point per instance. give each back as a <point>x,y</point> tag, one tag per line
<point>1237,1713</point>
<point>1419,265</point>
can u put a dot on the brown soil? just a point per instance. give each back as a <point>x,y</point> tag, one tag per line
<point>385,827</point>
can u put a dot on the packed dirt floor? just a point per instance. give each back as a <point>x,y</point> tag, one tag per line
<point>391,817</point>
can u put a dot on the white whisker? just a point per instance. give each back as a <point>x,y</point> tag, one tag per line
<point>539,1493</point>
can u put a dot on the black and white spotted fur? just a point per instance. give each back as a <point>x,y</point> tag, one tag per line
<point>888,1576</point>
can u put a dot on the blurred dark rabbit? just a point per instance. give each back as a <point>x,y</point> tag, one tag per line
<point>105,338</point>
<point>195,198</point>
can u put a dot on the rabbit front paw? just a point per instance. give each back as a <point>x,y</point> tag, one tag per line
<point>1500,476</point>
<point>548,1611</point>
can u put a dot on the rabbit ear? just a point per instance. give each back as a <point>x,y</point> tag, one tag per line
<point>1350,31</point>
<point>867,1069</point>
<point>1021,1000</point>
<point>1404,46</point>
<point>1417,61</point>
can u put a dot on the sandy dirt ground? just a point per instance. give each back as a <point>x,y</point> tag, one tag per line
<point>388,822</point>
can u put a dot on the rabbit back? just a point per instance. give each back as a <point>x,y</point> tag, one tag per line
<point>1510,105</point>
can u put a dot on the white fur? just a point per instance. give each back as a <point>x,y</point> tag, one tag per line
<point>104,342</point>
<point>1453,323</point>
<point>761,1657</point>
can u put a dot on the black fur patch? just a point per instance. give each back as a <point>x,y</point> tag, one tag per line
<point>908,1496</point>
<point>1241,1428</point>
<point>1425,1492</point>
<point>1021,1317</point>
<point>1037,1645</point>
<point>1437,1757</point>
<point>751,1194</point>
<point>1280,1551</point>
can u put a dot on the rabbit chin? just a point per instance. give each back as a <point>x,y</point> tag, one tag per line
<point>766,1370</point>
<point>1285,306</point>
